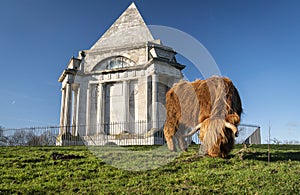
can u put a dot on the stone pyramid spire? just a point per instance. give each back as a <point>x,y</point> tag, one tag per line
<point>128,29</point>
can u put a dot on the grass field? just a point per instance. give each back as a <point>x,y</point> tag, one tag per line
<point>75,170</point>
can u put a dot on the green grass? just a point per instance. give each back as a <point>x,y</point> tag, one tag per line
<point>32,170</point>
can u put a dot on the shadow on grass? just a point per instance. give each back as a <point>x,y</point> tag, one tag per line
<point>274,157</point>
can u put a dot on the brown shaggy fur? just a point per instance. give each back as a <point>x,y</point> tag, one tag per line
<point>210,102</point>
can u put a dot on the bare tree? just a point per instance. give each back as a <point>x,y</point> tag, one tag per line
<point>46,139</point>
<point>276,141</point>
<point>29,138</point>
<point>1,131</point>
<point>3,139</point>
<point>18,138</point>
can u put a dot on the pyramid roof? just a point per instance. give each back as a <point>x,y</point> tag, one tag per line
<point>128,29</point>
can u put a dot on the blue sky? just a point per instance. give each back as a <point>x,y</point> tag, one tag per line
<point>255,43</point>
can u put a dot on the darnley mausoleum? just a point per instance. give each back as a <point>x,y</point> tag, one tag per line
<point>118,86</point>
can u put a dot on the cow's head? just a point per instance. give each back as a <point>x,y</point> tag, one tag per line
<point>218,135</point>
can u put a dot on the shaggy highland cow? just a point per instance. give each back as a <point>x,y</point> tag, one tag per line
<point>212,106</point>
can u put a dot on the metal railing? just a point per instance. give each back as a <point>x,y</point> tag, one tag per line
<point>33,136</point>
<point>118,133</point>
<point>114,133</point>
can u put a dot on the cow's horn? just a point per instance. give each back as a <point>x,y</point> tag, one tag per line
<point>232,127</point>
<point>193,131</point>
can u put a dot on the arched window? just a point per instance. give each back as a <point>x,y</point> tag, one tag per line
<point>116,62</point>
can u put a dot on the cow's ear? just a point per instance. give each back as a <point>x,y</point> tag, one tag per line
<point>233,118</point>
<point>203,118</point>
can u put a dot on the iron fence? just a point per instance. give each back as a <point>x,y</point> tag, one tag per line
<point>114,133</point>
<point>33,136</point>
<point>249,134</point>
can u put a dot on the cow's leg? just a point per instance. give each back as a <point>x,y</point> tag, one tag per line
<point>169,132</point>
<point>170,142</point>
<point>182,143</point>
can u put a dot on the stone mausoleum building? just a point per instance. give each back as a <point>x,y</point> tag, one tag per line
<point>117,87</point>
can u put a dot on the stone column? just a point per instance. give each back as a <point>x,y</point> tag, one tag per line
<point>62,110</point>
<point>126,105</point>
<point>74,113</point>
<point>88,109</point>
<point>68,108</point>
<point>154,102</point>
<point>100,112</point>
